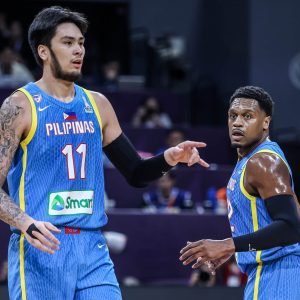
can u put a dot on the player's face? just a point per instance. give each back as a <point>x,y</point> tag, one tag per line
<point>67,52</point>
<point>247,123</point>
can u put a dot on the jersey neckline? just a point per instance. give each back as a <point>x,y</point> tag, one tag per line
<point>55,101</point>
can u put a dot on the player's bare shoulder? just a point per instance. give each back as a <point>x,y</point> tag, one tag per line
<point>100,99</point>
<point>111,128</point>
<point>104,107</point>
<point>265,163</point>
<point>268,174</point>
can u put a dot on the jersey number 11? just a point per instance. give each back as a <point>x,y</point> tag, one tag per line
<point>69,153</point>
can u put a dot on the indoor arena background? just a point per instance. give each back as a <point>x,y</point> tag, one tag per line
<point>190,56</point>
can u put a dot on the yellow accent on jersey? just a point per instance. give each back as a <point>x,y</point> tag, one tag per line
<point>22,268</point>
<point>24,144</point>
<point>242,187</point>
<point>257,277</point>
<point>95,107</point>
<point>32,130</point>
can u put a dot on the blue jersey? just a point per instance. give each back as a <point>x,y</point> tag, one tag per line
<point>247,213</point>
<point>57,172</point>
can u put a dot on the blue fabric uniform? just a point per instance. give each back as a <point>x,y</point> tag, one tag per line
<point>272,273</point>
<point>57,176</point>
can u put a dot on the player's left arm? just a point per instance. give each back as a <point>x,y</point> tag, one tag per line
<point>137,171</point>
<point>268,177</point>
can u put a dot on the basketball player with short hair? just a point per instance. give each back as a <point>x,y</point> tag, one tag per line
<point>51,137</point>
<point>262,206</point>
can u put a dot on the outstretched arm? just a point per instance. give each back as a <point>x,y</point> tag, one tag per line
<point>137,171</point>
<point>15,120</point>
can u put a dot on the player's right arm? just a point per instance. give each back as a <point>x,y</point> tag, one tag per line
<point>15,122</point>
<point>137,171</point>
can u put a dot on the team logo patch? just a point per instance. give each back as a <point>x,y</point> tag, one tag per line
<point>71,203</point>
<point>69,116</point>
<point>37,98</point>
<point>88,109</point>
<point>231,184</point>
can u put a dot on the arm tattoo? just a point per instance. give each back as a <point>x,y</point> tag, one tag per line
<point>9,140</point>
<point>10,117</point>
<point>10,213</point>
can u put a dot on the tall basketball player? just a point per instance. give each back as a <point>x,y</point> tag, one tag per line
<point>262,206</point>
<point>51,137</point>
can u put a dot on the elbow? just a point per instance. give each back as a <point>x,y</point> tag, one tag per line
<point>135,182</point>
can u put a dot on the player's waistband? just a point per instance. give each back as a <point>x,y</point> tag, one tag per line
<point>68,230</point>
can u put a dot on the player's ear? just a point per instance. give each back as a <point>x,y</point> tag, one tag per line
<point>267,122</point>
<point>43,52</point>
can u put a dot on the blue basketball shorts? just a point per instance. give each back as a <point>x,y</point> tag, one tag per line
<point>275,280</point>
<point>80,270</point>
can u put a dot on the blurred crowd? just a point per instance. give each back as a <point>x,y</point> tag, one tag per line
<point>14,69</point>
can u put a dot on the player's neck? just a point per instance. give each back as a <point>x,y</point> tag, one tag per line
<point>57,88</point>
<point>244,151</point>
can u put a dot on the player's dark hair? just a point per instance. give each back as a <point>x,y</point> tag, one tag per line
<point>257,93</point>
<point>43,27</point>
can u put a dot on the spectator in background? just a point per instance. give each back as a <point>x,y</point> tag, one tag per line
<point>168,197</point>
<point>4,31</point>
<point>12,73</point>
<point>233,277</point>
<point>17,39</point>
<point>173,137</point>
<point>228,275</point>
<point>150,115</point>
<point>110,75</point>
<point>171,66</point>
<point>202,277</point>
<point>4,273</point>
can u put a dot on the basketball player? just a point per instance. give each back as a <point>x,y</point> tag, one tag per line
<point>51,137</point>
<point>262,206</point>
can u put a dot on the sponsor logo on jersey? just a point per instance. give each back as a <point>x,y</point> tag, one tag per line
<point>70,116</point>
<point>65,128</point>
<point>58,203</point>
<point>71,203</point>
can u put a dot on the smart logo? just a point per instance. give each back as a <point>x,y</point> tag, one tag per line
<point>58,203</point>
<point>71,203</point>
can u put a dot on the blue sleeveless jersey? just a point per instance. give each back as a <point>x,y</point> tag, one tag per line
<point>247,213</point>
<point>57,172</point>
